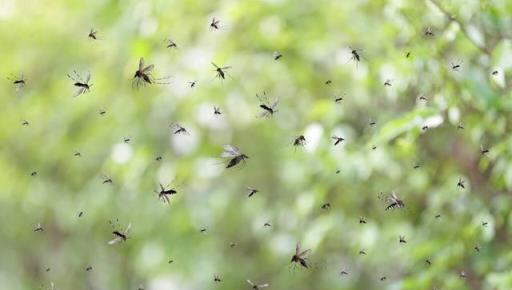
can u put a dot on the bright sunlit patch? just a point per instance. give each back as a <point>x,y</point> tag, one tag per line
<point>313,133</point>
<point>121,153</point>
<point>7,8</point>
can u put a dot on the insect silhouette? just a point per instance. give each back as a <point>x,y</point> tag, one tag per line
<point>456,66</point>
<point>267,224</point>
<point>234,153</point>
<point>362,220</point>
<point>387,83</point>
<point>251,191</point>
<point>374,147</point>
<point>460,126</point>
<point>24,123</point>
<point>233,244</point>
<point>372,122</point>
<point>483,151</point>
<point>171,44</point>
<point>337,140</point>
<point>326,206</point>
<point>328,82</point>
<point>203,230</point>
<point>143,76</point>
<point>93,34</point>
<point>170,261</point>
<point>337,99</point>
<point>214,24</point>
<point>83,85</point>
<point>383,278</point>
<point>89,268</point>
<point>299,141</point>
<point>343,272</point>
<point>416,166</point>
<point>118,235</point>
<point>477,248</point>
<point>33,173</point>
<point>19,82</point>
<point>408,54</point>
<point>362,252</point>
<point>428,262</point>
<point>107,179</point>
<point>394,201</point>
<point>428,32</point>
<point>268,107</point>
<point>216,278</point>
<point>300,257</point>
<point>438,216</point>
<point>402,240</point>
<point>495,72</point>
<point>257,286</point>
<point>216,111</point>
<point>103,112</point>
<point>484,224</point>
<point>77,154</point>
<point>221,71</point>
<point>355,55</point>
<point>80,214</point>
<point>178,129</point>
<point>164,194</point>
<point>38,228</point>
<point>127,140</point>
<point>277,55</point>
<point>460,184</point>
<point>192,84</point>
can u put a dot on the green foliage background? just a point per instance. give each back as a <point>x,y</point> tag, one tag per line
<point>46,40</point>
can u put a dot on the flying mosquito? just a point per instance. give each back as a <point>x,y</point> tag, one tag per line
<point>268,107</point>
<point>216,111</point>
<point>77,154</point>
<point>143,76</point>
<point>127,140</point>
<point>234,153</point>
<point>343,272</point>
<point>107,179</point>
<point>267,224</point>
<point>460,126</point>
<point>394,201</point>
<point>164,194</point>
<point>171,44</point>
<point>214,24</point>
<point>24,123</point>
<point>428,261</point>
<point>477,248</point>
<point>402,240</point>
<point>257,286</point>
<point>80,214</point>
<point>408,54</point>
<point>192,84</point>
<point>337,140</point>
<point>178,129</point>
<point>428,31</point>
<point>33,173</point>
<point>460,183</point>
<point>299,141</point>
<point>89,268</point>
<point>300,257</point>
<point>221,71</point>
<point>83,86</point>
<point>326,206</point>
<point>483,150</point>
<point>103,112</point>
<point>456,66</point>
<point>383,278</point>
<point>362,252</point>
<point>216,278</point>
<point>484,224</point>
<point>251,191</point>
<point>355,55</point>
<point>387,83</point>
<point>362,220</point>
<point>328,82</point>
<point>119,236</point>
<point>277,55</point>
<point>19,82</point>
<point>372,122</point>
<point>93,34</point>
<point>495,72</point>
<point>337,99</point>
<point>38,228</point>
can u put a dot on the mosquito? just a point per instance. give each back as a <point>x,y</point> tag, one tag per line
<point>428,262</point>
<point>33,173</point>
<point>83,86</point>
<point>251,191</point>
<point>387,83</point>
<point>460,126</point>
<point>107,179</point>
<point>268,107</point>
<point>338,100</point>
<point>456,66</point>
<point>337,140</point>
<point>372,122</point>
<point>362,252</point>
<point>326,206</point>
<point>118,235</point>
<point>203,230</point>
<point>18,82</point>
<point>423,98</point>
<point>216,278</point>
<point>257,286</point>
<point>402,240</point>
<point>24,123</point>
<point>416,166</point>
<point>215,24</point>
<point>484,224</point>
<point>495,72</point>
<point>164,194</point>
<point>103,112</point>
<point>221,71</point>
<point>234,153</point>
<point>428,31</point>
<point>362,220</point>
<point>92,34</point>
<point>80,214</point>
<point>267,224</point>
<point>127,140</point>
<point>355,55</point>
<point>158,158</point>
<point>394,201</point>
<point>438,216</point>
<point>483,150</point>
<point>299,141</point>
<point>383,278</point>
<point>143,76</point>
<point>460,184</point>
<point>171,44</point>
<point>328,82</point>
<point>178,129</point>
<point>277,55</point>
<point>77,154</point>
<point>408,54</point>
<point>216,111</point>
<point>38,228</point>
<point>477,248</point>
<point>88,269</point>
<point>300,257</point>
<point>192,84</point>
<point>343,272</point>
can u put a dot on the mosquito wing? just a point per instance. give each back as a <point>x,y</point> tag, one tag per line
<point>230,151</point>
<point>128,228</point>
<point>141,63</point>
<point>88,77</point>
<point>79,92</point>
<point>114,241</point>
<point>393,197</point>
<point>263,285</point>
<point>297,249</point>
<point>250,283</point>
<point>304,253</point>
<point>148,68</point>
<point>274,105</point>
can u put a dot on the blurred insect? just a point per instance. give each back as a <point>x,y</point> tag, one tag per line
<point>387,83</point>
<point>374,147</point>
<point>463,274</point>
<point>118,235</point>
<point>343,272</point>
<point>171,44</point>
<point>38,228</point>
<point>300,257</point>
<point>77,154</point>
<point>93,34</point>
<point>267,224</point>
<point>143,76</point>
<point>80,214</point>
<point>328,82</point>
<point>460,183</point>
<point>269,107</point>
<point>251,191</point>
<point>33,173</point>
<point>192,84</point>
<point>170,261</point>
<point>127,140</point>
<point>438,216</point>
<point>233,244</point>
<point>158,158</point>
<point>429,32</point>
<point>18,82</point>
<point>299,141</point>
<point>402,240</point>
<point>203,230</point>
<point>495,72</point>
<point>408,54</point>
<point>338,171</point>
<point>178,129</point>
<point>372,122</point>
<point>234,153</point>
<point>216,111</point>
<point>83,86</point>
<point>393,200</point>
<point>355,55</point>
<point>362,220</point>
<point>423,98</point>
<point>483,151</point>
<point>24,123</point>
<point>424,128</point>
<point>326,206</point>
<point>89,268</point>
<point>215,24</point>
<point>337,99</point>
<point>455,66</point>
<point>256,286</point>
<point>277,55</point>
<point>107,179</point>
<point>485,224</point>
<point>102,112</point>
<point>428,262</point>
<point>416,166</point>
<point>477,248</point>
<point>383,278</point>
<point>362,252</point>
<point>337,140</point>
<point>216,278</point>
<point>164,194</point>
<point>221,71</point>
<point>460,126</point>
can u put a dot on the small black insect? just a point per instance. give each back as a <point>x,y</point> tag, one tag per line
<point>267,224</point>
<point>93,34</point>
<point>423,98</point>
<point>178,129</point>
<point>277,55</point>
<point>429,32</point>
<point>38,228</point>
<point>485,224</point>
<point>383,278</point>
<point>171,44</point>
<point>107,179</point>
<point>394,201</point>
<point>337,140</point>
<point>477,248</point>
<point>460,184</point>
<point>143,76</point>
<point>362,220</point>
<point>216,111</point>
<point>402,240</point>
<point>89,268</point>
<point>80,214</point>
<point>164,194</point>
<point>300,257</point>
<point>416,166</point>
<point>372,122</point>
<point>299,141</point>
<point>362,252</point>
<point>103,112</point>
<point>460,126</point>
<point>215,24</point>
<point>77,154</point>
<point>338,100</point>
<point>203,230</point>
<point>83,86</point>
<point>234,153</point>
<point>438,216</point>
<point>483,150</point>
<point>455,66</point>
<point>408,54</point>
<point>328,82</point>
<point>33,173</point>
<point>158,158</point>
<point>343,272</point>
<point>47,269</point>
<point>18,82</point>
<point>387,83</point>
<point>326,206</point>
<point>118,235</point>
<point>424,128</point>
<point>356,56</point>
<point>374,147</point>
<point>257,286</point>
<point>127,140</point>
<point>268,107</point>
<point>24,123</point>
<point>192,84</point>
<point>233,244</point>
<point>221,71</point>
<point>216,278</point>
<point>251,191</point>
<point>170,261</point>
<point>428,262</point>
<point>495,72</point>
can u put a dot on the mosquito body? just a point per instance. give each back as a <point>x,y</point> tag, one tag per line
<point>214,24</point>
<point>387,83</point>
<point>268,107</point>
<point>277,55</point>
<point>337,140</point>
<point>362,220</point>
<point>143,76</point>
<point>234,153</point>
<point>93,34</point>
<point>257,286</point>
<point>221,71</point>
<point>19,82</point>
<point>300,256</point>
<point>120,236</point>
<point>38,228</point>
<point>177,129</point>
<point>428,32</point>
<point>394,201</point>
<point>24,123</point>
<point>83,86</point>
<point>216,111</point>
<point>164,194</point>
<point>107,179</point>
<point>192,84</point>
<point>251,191</point>
<point>171,44</point>
<point>299,141</point>
<point>326,206</point>
<point>483,151</point>
<point>216,279</point>
<point>460,184</point>
<point>402,240</point>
